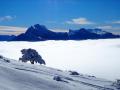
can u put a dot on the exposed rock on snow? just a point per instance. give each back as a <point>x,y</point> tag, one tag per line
<point>4,59</point>
<point>117,84</point>
<point>57,78</point>
<point>74,73</point>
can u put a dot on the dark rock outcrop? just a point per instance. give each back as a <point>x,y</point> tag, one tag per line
<point>57,78</point>
<point>74,73</point>
<point>117,84</point>
<point>4,59</point>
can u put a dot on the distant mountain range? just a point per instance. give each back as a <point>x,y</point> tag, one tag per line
<point>6,37</point>
<point>41,33</point>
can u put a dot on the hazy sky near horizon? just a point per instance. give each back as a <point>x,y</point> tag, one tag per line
<point>60,14</point>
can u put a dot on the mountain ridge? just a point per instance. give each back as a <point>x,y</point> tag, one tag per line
<point>6,37</point>
<point>40,33</point>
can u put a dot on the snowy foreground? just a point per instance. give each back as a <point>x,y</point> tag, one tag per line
<point>15,75</point>
<point>100,58</point>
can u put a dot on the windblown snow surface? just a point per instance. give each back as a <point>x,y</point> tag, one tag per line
<point>100,58</point>
<point>15,75</point>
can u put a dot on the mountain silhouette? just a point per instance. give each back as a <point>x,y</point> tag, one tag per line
<point>6,37</point>
<point>40,33</point>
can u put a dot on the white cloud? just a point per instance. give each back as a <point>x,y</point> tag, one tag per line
<point>59,30</point>
<point>116,22</point>
<point>105,27</point>
<point>115,30</point>
<point>6,18</point>
<point>80,21</point>
<point>10,30</point>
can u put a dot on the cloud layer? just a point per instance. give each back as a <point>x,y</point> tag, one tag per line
<point>10,30</point>
<point>116,22</point>
<point>113,29</point>
<point>6,18</point>
<point>80,21</point>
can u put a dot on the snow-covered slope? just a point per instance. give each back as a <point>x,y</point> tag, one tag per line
<point>15,75</point>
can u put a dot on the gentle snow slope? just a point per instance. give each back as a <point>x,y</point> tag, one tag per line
<point>95,57</point>
<point>22,76</point>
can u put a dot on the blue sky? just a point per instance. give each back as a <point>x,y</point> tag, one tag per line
<point>61,14</point>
